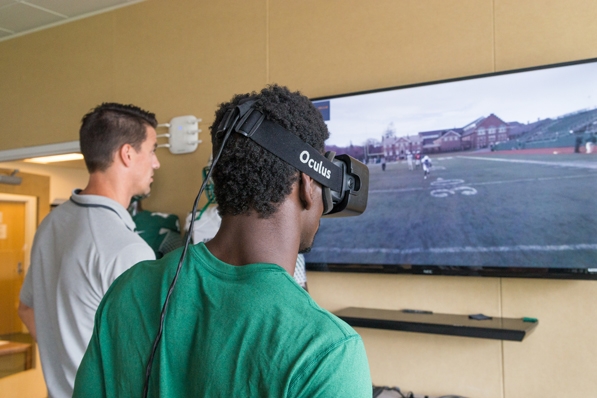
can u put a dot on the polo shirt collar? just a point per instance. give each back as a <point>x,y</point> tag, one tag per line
<point>105,202</point>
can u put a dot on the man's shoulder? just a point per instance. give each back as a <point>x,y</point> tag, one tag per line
<point>99,208</point>
<point>66,209</point>
<point>146,283</point>
<point>328,323</point>
<point>332,359</point>
<point>318,324</point>
<point>148,271</point>
<point>58,225</point>
<point>99,232</point>
<point>109,230</point>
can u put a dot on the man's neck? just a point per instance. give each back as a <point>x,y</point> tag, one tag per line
<point>248,239</point>
<point>108,185</point>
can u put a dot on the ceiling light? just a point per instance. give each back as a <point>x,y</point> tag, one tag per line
<point>55,158</point>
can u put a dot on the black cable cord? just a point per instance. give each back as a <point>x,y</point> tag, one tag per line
<point>397,389</point>
<point>158,337</point>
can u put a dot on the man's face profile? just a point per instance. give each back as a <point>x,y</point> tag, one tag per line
<point>147,162</point>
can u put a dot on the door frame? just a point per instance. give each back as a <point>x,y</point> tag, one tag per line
<point>30,226</point>
<point>30,221</point>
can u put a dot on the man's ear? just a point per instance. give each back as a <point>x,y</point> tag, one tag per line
<point>125,154</point>
<point>307,190</point>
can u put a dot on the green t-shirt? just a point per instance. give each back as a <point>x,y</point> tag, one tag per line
<point>155,228</point>
<point>247,331</point>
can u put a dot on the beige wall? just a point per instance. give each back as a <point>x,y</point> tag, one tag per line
<point>179,57</point>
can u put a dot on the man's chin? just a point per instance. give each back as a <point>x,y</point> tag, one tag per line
<point>305,247</point>
<point>144,194</point>
<point>147,190</point>
<point>305,250</point>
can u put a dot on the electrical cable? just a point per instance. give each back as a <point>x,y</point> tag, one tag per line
<point>158,337</point>
<point>380,390</point>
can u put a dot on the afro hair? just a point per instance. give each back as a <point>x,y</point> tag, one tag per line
<point>248,178</point>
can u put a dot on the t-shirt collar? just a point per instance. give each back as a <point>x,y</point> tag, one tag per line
<point>105,202</point>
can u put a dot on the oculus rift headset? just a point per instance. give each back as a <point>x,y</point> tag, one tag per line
<point>344,179</point>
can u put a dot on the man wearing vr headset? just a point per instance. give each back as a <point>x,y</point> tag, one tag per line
<point>237,324</point>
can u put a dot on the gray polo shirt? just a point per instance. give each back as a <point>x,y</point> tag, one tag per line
<point>79,249</point>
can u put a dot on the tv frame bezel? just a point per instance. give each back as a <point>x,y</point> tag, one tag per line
<point>467,271</point>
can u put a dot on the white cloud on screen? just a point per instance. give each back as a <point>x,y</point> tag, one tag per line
<point>523,97</point>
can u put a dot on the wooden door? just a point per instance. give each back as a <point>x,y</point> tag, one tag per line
<point>12,258</point>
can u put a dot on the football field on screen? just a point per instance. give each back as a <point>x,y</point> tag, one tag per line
<point>485,209</point>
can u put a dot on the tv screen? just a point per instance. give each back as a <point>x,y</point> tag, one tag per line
<point>491,175</point>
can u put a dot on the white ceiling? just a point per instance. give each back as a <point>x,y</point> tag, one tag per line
<point>19,17</point>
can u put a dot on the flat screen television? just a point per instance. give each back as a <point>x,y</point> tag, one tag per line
<point>511,187</point>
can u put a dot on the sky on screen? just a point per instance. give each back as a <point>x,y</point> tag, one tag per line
<point>523,97</point>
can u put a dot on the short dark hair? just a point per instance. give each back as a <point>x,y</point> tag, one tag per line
<point>249,178</point>
<point>109,126</point>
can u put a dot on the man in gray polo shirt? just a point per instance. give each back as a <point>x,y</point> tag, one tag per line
<point>82,246</point>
